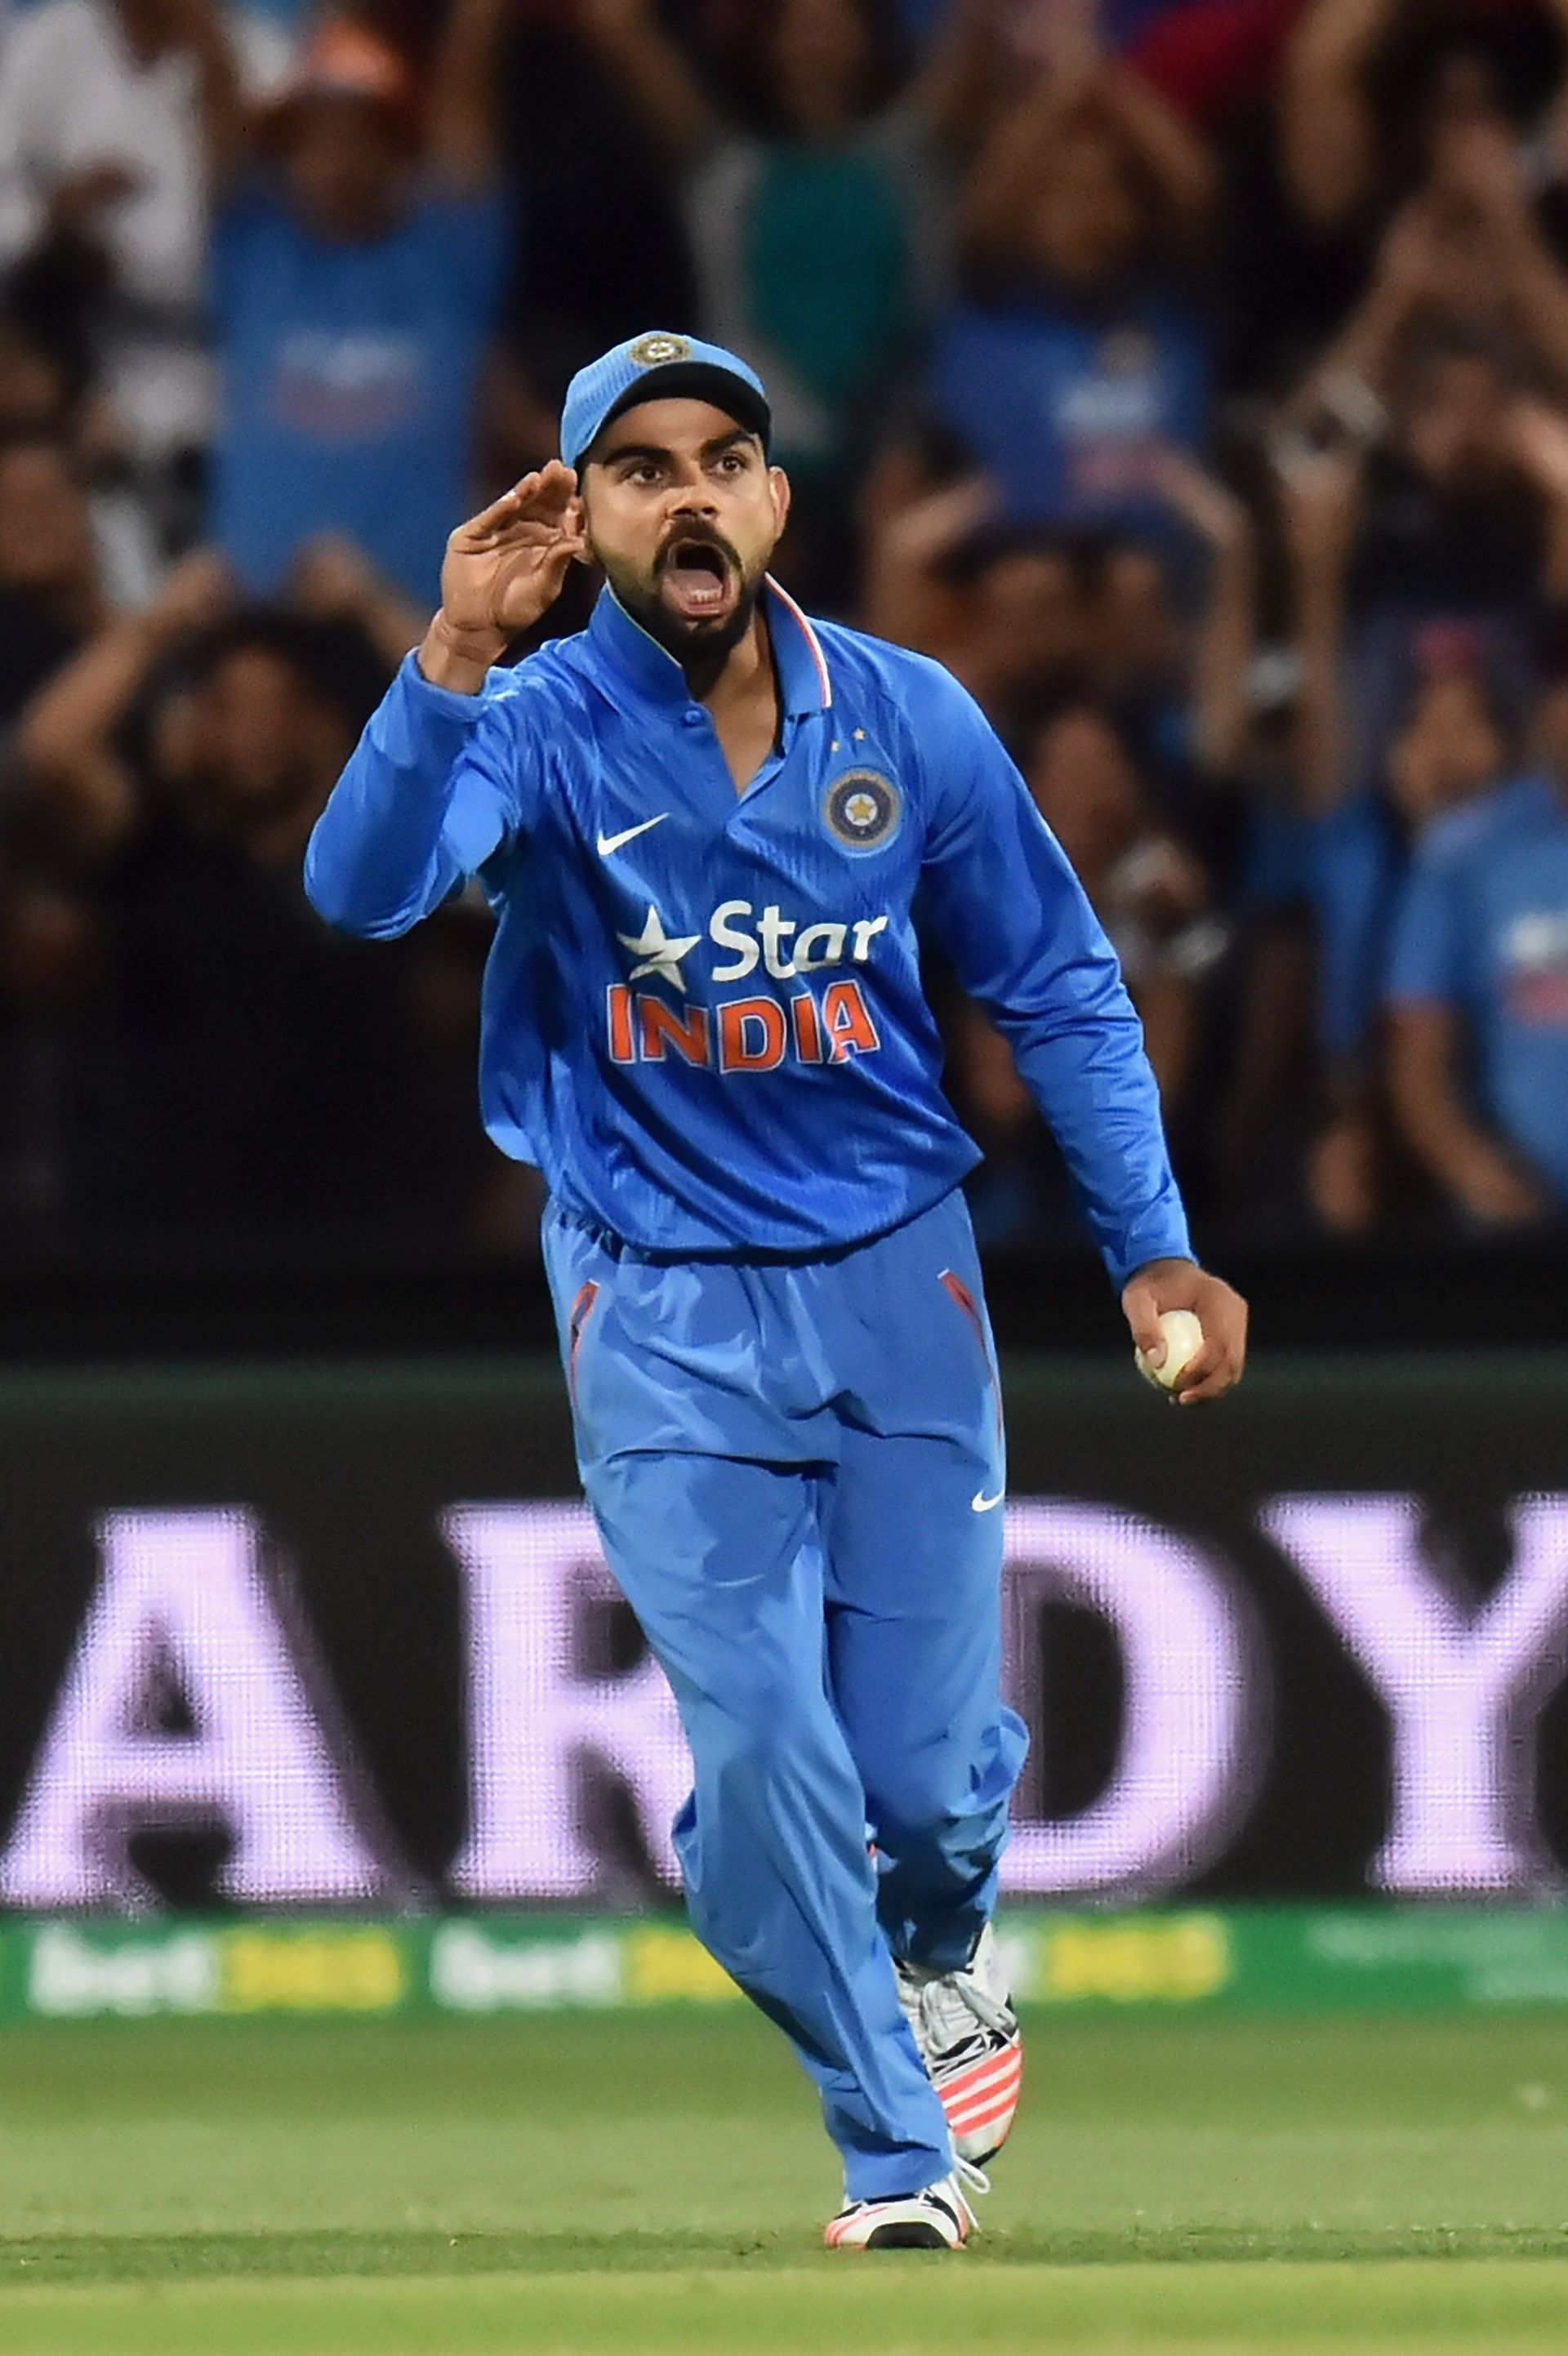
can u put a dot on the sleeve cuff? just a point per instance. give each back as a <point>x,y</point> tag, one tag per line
<point>414,684</point>
<point>1173,1243</point>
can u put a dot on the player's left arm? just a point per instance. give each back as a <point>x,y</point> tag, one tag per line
<point>1025,943</point>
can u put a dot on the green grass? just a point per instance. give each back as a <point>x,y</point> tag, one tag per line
<point>659,2182</point>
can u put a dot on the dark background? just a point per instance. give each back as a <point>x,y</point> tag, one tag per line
<point>75,1305</point>
<point>349,1467</point>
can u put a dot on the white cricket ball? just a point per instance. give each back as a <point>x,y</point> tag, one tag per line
<point>1183,1339</point>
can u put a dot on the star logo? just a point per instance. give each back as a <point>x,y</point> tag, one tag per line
<point>656,953</point>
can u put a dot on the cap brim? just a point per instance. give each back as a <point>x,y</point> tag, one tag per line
<point>698,380</point>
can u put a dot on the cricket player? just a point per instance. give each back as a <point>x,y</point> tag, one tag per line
<point>704,824</point>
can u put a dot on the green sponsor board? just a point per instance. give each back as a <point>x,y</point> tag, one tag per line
<point>1287,1958</point>
<point>67,1969</point>
<point>1294,1958</point>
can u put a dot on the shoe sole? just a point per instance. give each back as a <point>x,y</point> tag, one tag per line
<point>908,2237</point>
<point>917,2228</point>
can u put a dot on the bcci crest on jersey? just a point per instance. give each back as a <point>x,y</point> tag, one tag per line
<point>863,809</point>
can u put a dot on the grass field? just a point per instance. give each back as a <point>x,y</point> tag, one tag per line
<point>659,2182</point>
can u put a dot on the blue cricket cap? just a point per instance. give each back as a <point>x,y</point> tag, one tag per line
<point>660,367</point>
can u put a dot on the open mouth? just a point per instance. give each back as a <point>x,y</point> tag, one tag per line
<point>699,580</point>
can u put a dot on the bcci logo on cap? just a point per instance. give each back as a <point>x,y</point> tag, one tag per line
<point>863,809</point>
<point>657,351</point>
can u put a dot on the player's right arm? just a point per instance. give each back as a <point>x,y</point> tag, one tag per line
<point>438,780</point>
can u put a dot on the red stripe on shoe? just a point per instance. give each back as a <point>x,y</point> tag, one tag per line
<point>984,2115</point>
<point>983,2100</point>
<point>1000,2091</point>
<point>981,2075</point>
<point>994,2098</point>
<point>1002,2054</point>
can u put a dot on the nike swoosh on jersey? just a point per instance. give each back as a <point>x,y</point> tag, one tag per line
<point>980,1504</point>
<point>609,844</point>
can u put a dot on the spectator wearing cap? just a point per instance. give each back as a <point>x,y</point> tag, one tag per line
<point>357,270</point>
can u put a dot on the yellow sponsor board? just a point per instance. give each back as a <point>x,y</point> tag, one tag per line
<point>1179,1960</point>
<point>663,1963</point>
<point>352,1969</point>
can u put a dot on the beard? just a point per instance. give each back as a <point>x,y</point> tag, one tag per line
<point>699,603</point>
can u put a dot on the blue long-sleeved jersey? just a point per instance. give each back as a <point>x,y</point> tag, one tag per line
<point>703,1013</point>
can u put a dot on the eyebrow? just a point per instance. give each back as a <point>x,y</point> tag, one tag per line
<point>644,450</point>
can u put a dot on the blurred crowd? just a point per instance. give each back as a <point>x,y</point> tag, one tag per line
<point>1190,376</point>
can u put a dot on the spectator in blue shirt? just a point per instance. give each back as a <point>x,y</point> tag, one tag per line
<point>356,286</point>
<point>1423,568</point>
<point>1075,362</point>
<point>1478,1005</point>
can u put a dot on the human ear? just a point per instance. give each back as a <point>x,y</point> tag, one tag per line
<point>779,484</point>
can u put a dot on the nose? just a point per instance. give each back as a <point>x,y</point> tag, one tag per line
<point>692,498</point>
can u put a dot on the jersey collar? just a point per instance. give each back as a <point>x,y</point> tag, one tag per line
<point>628,651</point>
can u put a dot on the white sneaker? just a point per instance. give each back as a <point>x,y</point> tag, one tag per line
<point>968,2033</point>
<point>940,2218</point>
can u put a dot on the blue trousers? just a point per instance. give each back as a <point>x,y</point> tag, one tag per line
<point>796,1469</point>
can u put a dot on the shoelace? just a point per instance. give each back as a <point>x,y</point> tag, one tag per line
<point>940,2001</point>
<point>968,2179</point>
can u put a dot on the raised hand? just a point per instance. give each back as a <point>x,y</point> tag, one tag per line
<point>1494,1192</point>
<point>193,595</point>
<point>503,570</point>
<point>332,578</point>
<point>1321,492</point>
<point>1536,436</point>
<point>1200,499</point>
